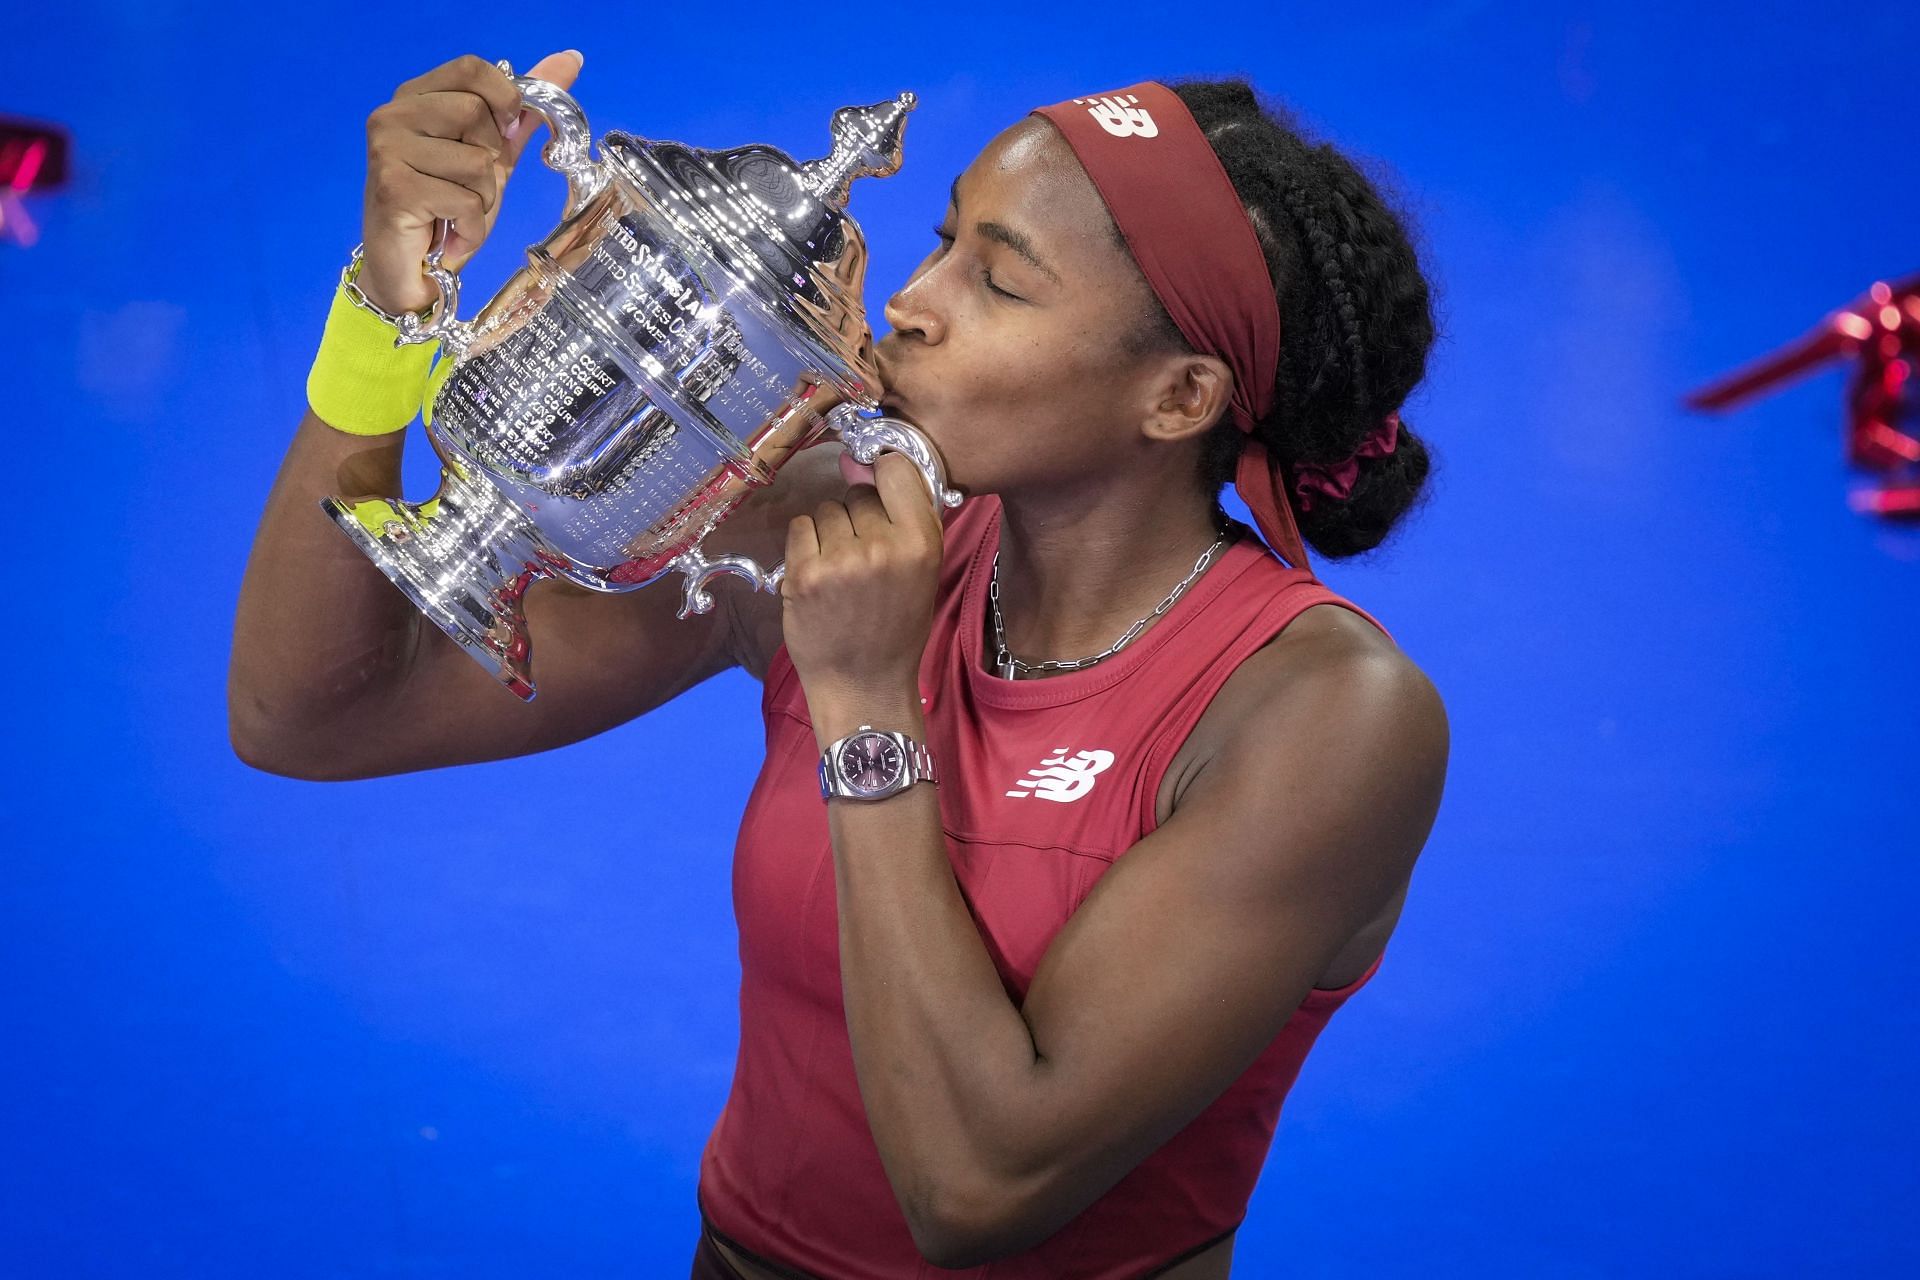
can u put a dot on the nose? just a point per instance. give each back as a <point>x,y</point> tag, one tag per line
<point>910,314</point>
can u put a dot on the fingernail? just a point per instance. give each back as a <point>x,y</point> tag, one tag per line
<point>512,131</point>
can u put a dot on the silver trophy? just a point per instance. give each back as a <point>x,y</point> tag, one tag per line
<point>694,321</point>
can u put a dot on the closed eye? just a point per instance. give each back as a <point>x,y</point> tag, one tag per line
<point>986,277</point>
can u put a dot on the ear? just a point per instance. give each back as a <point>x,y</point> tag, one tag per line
<point>1191,394</point>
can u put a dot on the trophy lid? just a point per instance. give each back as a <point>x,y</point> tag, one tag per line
<point>781,227</point>
<point>866,143</point>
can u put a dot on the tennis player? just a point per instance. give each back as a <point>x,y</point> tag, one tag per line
<point>1083,807</point>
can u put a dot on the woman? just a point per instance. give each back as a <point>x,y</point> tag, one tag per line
<point>1035,1016</point>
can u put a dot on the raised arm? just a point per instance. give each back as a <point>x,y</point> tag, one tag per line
<point>334,674</point>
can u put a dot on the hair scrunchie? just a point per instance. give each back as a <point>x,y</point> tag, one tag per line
<point>1336,480</point>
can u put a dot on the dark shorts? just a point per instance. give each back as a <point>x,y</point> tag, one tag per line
<point>709,1264</point>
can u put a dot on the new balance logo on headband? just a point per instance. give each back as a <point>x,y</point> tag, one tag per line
<point>1119,117</point>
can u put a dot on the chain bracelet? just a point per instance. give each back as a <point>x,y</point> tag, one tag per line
<point>349,281</point>
<point>1006,663</point>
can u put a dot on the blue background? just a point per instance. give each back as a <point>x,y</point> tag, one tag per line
<point>1650,1010</point>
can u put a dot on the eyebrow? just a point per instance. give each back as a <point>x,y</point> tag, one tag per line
<point>1003,234</point>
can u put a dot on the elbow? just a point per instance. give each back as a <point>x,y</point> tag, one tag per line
<point>969,1225</point>
<point>251,745</point>
<point>297,724</point>
<point>251,730</point>
<point>258,752</point>
<point>256,745</point>
<point>953,1243</point>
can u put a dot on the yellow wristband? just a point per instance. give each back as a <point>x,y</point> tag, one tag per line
<point>434,380</point>
<point>360,382</point>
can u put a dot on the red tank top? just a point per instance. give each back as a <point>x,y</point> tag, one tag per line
<point>1044,783</point>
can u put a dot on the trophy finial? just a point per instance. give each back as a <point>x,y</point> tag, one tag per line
<point>866,143</point>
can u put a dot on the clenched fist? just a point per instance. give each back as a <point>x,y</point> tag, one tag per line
<point>442,148</point>
<point>858,595</point>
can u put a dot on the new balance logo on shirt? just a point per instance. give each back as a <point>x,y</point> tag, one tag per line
<point>1063,779</point>
<point>1119,117</point>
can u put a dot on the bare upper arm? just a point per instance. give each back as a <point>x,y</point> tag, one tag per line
<point>1323,636</point>
<point>1193,951</point>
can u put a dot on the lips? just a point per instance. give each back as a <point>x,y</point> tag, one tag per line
<point>893,405</point>
<point>892,399</point>
<point>889,387</point>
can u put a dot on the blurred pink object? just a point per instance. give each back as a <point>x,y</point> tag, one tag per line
<point>33,157</point>
<point>1881,330</point>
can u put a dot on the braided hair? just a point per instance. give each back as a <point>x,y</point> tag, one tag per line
<point>1356,320</point>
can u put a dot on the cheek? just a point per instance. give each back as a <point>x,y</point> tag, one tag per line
<point>1035,354</point>
<point>1012,390</point>
<point>1035,412</point>
<point>1066,379</point>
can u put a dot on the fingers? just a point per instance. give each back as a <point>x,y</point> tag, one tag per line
<point>434,151</point>
<point>866,512</point>
<point>473,75</point>
<point>559,68</point>
<point>833,524</point>
<point>803,548</point>
<point>464,117</point>
<point>461,163</point>
<point>903,488</point>
<point>866,531</point>
<point>401,186</point>
<point>429,155</point>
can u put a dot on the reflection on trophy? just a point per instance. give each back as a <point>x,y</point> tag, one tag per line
<point>694,321</point>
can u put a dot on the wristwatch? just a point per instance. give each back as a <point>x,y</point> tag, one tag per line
<point>869,764</point>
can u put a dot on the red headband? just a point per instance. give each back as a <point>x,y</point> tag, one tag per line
<point>1186,227</point>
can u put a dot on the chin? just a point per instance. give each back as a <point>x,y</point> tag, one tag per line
<point>893,409</point>
<point>951,457</point>
<point>955,465</point>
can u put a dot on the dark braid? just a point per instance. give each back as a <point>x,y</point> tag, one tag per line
<point>1356,318</point>
<point>1327,255</point>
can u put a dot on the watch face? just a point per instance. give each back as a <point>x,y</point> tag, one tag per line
<point>871,763</point>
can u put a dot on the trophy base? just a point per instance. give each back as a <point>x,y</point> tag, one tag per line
<point>465,559</point>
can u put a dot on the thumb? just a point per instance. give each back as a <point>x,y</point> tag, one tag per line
<point>560,69</point>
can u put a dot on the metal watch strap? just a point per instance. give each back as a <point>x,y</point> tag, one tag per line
<point>919,763</point>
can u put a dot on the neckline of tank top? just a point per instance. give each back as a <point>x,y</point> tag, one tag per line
<point>1235,559</point>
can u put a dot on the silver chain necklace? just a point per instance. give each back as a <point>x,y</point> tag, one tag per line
<point>1005,664</point>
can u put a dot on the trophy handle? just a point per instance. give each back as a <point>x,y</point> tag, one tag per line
<point>865,438</point>
<point>569,151</point>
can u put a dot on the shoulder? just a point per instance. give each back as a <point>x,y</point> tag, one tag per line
<point>1330,654</point>
<point>1330,686</point>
